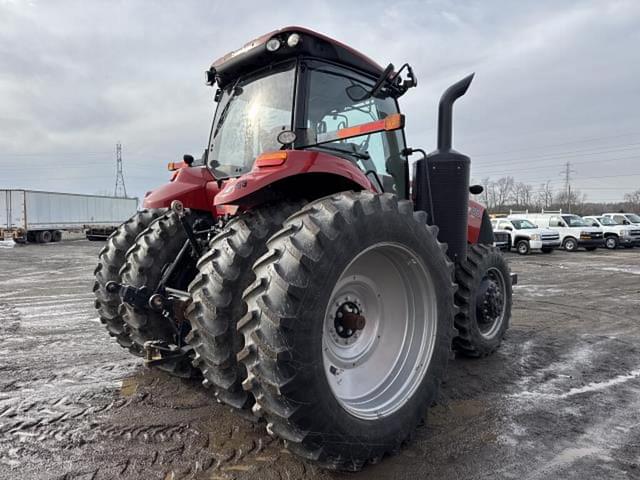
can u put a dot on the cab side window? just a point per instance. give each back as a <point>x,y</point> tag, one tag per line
<point>556,222</point>
<point>333,106</point>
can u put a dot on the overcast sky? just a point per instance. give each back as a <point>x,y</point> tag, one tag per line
<point>556,81</point>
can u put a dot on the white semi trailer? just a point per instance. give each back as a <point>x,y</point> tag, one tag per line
<point>41,217</point>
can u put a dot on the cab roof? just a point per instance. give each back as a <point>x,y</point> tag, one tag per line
<point>254,55</point>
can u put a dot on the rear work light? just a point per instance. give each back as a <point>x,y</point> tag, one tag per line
<point>271,159</point>
<point>273,44</point>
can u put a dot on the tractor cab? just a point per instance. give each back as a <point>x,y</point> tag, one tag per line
<point>297,90</point>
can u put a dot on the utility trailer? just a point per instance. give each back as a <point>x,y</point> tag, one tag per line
<point>41,217</point>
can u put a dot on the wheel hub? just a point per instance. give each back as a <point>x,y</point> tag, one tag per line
<point>490,302</point>
<point>349,319</point>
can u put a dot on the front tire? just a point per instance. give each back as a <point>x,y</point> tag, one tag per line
<point>523,247</point>
<point>570,244</point>
<point>224,273</point>
<point>484,297</point>
<point>358,254</point>
<point>611,243</point>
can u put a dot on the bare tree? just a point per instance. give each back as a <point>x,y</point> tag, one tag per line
<point>632,200</point>
<point>545,195</point>
<point>503,188</point>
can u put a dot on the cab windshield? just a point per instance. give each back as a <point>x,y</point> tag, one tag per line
<point>250,114</point>
<point>633,217</point>
<point>522,224</point>
<point>575,221</point>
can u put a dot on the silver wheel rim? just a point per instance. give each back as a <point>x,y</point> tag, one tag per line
<point>374,371</point>
<point>570,245</point>
<point>611,242</point>
<point>496,276</point>
<point>522,248</point>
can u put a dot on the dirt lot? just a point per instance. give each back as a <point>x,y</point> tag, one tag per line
<point>560,399</point>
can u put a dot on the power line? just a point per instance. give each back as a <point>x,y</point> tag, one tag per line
<point>121,189</point>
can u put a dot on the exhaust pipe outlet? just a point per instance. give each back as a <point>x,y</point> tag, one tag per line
<point>442,179</point>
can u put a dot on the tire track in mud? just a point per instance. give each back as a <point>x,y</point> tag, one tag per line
<point>73,405</point>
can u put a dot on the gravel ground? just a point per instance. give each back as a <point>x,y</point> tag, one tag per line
<point>559,400</point>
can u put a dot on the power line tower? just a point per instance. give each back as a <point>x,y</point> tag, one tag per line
<point>120,190</point>
<point>567,184</point>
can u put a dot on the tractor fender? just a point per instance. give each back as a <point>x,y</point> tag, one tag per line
<point>195,187</point>
<point>479,228</point>
<point>302,172</point>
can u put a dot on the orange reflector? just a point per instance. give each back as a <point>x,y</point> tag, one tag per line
<point>172,166</point>
<point>394,122</point>
<point>271,159</point>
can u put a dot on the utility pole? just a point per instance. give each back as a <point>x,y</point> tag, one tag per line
<point>567,184</point>
<point>120,190</point>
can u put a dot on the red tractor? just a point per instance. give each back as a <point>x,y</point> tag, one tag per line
<point>298,267</point>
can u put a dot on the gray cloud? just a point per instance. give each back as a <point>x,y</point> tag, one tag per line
<point>76,77</point>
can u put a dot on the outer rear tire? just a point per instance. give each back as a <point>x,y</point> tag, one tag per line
<point>285,327</point>
<point>56,236</point>
<point>110,261</point>
<point>145,263</point>
<point>224,273</point>
<point>475,337</point>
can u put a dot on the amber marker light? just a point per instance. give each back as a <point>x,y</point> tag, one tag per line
<point>271,159</point>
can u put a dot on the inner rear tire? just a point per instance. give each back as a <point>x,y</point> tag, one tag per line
<point>224,273</point>
<point>483,277</point>
<point>349,245</point>
<point>43,237</point>
<point>110,261</point>
<point>56,236</point>
<point>146,261</point>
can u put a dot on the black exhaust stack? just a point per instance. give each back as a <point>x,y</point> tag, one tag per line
<point>442,179</point>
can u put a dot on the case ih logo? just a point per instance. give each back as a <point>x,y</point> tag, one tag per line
<point>475,211</point>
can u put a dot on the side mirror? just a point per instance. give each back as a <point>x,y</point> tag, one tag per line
<point>476,189</point>
<point>509,228</point>
<point>357,92</point>
<point>188,159</point>
<point>626,222</point>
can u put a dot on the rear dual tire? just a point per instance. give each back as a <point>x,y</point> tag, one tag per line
<point>146,261</point>
<point>110,260</point>
<point>224,272</point>
<point>324,255</point>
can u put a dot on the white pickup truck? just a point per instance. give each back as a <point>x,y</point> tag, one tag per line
<point>525,236</point>
<point>574,231</point>
<point>624,218</point>
<point>616,234</point>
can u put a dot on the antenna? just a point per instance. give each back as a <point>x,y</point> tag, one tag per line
<point>120,190</point>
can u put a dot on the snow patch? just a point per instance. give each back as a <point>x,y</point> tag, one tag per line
<point>631,270</point>
<point>7,244</point>
<point>591,387</point>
